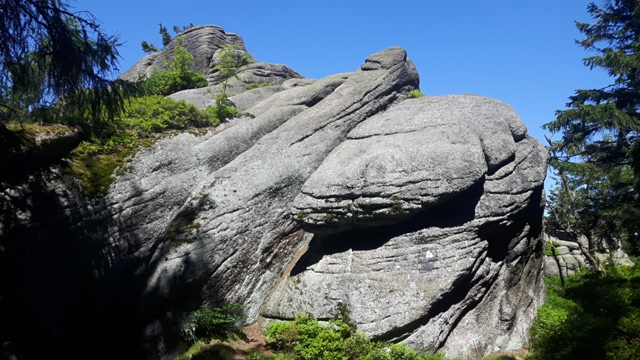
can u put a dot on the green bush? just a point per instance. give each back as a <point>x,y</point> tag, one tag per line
<point>258,85</point>
<point>415,94</point>
<point>156,113</point>
<point>221,323</point>
<point>591,318</point>
<point>176,76</point>
<point>108,145</point>
<point>170,82</point>
<point>222,109</point>
<point>306,338</point>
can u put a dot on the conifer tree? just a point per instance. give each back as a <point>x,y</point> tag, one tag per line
<point>49,52</point>
<point>597,157</point>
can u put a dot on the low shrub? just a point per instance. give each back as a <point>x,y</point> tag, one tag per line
<point>593,317</point>
<point>306,338</point>
<point>222,109</point>
<point>221,323</point>
<point>108,145</point>
<point>169,82</point>
<point>415,94</point>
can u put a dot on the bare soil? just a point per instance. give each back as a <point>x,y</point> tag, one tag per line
<point>254,341</point>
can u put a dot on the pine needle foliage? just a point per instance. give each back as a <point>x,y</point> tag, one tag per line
<point>51,54</point>
<point>597,157</point>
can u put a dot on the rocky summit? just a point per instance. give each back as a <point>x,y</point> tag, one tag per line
<point>423,217</point>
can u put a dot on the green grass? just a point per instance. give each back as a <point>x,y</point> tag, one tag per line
<point>306,338</point>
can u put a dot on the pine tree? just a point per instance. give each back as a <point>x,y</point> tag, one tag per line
<point>598,155</point>
<point>49,53</point>
<point>148,48</point>
<point>164,34</point>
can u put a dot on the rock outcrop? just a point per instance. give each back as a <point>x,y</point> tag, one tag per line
<point>569,259</point>
<point>204,43</point>
<point>201,42</point>
<point>427,225</point>
<point>422,216</point>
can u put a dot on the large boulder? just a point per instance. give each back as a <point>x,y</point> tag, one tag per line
<point>422,216</point>
<point>310,200</point>
<point>426,224</point>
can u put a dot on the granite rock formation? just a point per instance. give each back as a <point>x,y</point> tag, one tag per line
<point>569,258</point>
<point>426,224</point>
<point>422,216</point>
<point>204,43</point>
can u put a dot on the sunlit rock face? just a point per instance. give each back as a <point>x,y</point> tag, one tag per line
<point>422,216</point>
<point>426,224</point>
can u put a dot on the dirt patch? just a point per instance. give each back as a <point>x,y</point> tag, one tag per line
<point>254,341</point>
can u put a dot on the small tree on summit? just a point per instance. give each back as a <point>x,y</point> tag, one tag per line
<point>148,48</point>
<point>175,75</point>
<point>165,37</point>
<point>230,62</point>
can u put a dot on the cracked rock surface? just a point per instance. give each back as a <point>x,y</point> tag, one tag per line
<point>227,233</point>
<point>422,216</point>
<point>204,43</point>
<point>427,224</point>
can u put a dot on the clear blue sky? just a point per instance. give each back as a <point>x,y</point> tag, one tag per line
<point>520,52</point>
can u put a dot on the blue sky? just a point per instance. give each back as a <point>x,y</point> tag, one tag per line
<point>522,52</point>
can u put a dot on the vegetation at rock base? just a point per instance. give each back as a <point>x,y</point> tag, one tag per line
<point>220,323</point>
<point>307,338</point>
<point>590,318</point>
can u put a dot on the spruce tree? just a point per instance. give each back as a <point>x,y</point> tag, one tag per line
<point>49,53</point>
<point>597,157</point>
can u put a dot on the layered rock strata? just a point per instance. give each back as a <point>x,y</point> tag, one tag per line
<point>421,216</point>
<point>204,44</point>
<point>426,224</point>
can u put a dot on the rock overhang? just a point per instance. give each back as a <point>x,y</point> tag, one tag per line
<point>416,155</point>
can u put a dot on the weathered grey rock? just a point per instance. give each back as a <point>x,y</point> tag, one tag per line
<point>427,224</point>
<point>244,99</point>
<point>204,44</point>
<point>200,41</point>
<point>422,216</point>
<point>253,72</point>
<point>569,258</point>
<point>409,159</point>
<point>230,236</point>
